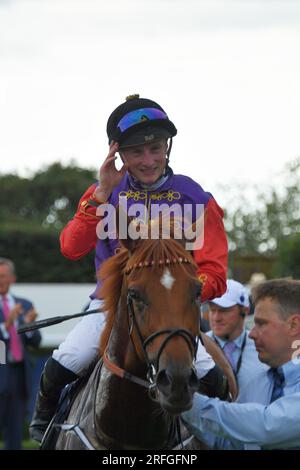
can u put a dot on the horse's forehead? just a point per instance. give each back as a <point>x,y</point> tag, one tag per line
<point>167,280</point>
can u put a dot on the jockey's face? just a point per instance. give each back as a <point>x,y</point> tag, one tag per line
<point>226,323</point>
<point>146,162</point>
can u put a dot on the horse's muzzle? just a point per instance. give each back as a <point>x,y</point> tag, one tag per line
<point>176,387</point>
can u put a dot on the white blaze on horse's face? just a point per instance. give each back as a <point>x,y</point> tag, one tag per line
<point>167,280</point>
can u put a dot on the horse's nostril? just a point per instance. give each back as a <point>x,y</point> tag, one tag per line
<point>163,382</point>
<point>168,383</point>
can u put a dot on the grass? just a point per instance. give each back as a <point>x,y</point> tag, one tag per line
<point>27,444</point>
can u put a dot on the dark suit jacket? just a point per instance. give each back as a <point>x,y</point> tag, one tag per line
<point>27,341</point>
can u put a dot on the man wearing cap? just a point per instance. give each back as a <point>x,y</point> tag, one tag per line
<point>140,130</point>
<point>268,418</point>
<point>227,318</point>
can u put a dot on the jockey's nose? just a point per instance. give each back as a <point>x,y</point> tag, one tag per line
<point>147,158</point>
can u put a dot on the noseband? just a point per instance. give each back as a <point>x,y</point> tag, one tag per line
<point>152,368</point>
<point>170,332</point>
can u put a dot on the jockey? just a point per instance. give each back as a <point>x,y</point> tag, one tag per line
<point>140,130</point>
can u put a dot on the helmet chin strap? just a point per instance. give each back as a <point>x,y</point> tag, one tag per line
<point>168,152</point>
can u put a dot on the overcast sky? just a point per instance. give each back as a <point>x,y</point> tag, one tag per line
<point>226,71</point>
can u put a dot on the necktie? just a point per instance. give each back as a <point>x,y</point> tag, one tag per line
<point>278,377</point>
<point>228,350</point>
<point>15,343</point>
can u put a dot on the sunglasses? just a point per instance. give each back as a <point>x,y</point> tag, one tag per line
<point>140,115</point>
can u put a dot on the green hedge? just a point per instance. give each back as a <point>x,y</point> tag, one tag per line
<point>36,254</point>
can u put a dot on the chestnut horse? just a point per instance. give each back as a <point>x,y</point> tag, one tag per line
<point>146,377</point>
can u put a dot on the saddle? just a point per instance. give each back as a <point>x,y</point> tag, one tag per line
<point>66,401</point>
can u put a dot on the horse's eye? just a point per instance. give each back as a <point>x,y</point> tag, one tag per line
<point>136,296</point>
<point>198,290</point>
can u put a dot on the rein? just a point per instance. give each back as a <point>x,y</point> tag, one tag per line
<point>151,374</point>
<point>150,383</point>
<point>171,332</point>
<point>116,370</point>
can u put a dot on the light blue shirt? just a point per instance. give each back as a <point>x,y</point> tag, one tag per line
<point>250,364</point>
<point>254,424</point>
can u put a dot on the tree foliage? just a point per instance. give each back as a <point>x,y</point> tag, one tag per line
<point>37,256</point>
<point>288,257</point>
<point>275,217</point>
<point>33,210</point>
<point>48,198</point>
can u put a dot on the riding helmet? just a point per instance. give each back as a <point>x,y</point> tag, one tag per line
<point>138,121</point>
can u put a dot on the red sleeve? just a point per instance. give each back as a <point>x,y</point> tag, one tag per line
<point>79,236</point>
<point>212,258</point>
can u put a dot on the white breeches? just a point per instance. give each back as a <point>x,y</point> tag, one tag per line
<point>81,345</point>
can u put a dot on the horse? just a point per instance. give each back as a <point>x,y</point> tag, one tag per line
<point>146,377</point>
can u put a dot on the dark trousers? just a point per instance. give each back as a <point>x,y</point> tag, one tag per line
<point>13,407</point>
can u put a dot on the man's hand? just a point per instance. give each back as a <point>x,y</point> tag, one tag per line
<point>109,176</point>
<point>13,315</point>
<point>30,316</point>
<point>220,359</point>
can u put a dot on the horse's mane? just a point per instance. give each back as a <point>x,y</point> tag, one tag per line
<point>151,251</point>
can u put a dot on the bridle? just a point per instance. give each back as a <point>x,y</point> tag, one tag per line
<point>152,367</point>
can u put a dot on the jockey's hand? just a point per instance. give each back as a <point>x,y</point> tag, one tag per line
<point>109,176</point>
<point>30,316</point>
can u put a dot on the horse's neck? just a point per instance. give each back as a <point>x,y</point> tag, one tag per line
<point>124,411</point>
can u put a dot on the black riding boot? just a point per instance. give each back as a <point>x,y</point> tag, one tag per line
<point>214,384</point>
<point>53,380</point>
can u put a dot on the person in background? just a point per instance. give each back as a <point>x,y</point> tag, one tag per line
<point>269,416</point>
<point>15,373</point>
<point>227,321</point>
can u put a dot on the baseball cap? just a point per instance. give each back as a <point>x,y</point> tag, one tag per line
<point>236,294</point>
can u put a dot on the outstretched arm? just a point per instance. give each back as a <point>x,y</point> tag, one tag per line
<point>276,426</point>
